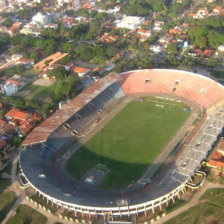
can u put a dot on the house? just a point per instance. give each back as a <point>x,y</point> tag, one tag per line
<point>68,21</point>
<point>16,114</point>
<point>177,30</point>
<point>106,38</point>
<point>218,10</point>
<point>158,25</point>
<point>166,39</point>
<point>144,34</point>
<point>156,48</point>
<point>206,53</point>
<point>202,13</point>
<point>81,71</point>
<point>23,120</point>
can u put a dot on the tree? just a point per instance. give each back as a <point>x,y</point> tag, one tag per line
<point>65,60</point>
<point>111,52</point>
<point>35,56</point>
<point>215,39</point>
<point>201,42</point>
<point>84,52</point>
<point>94,27</point>
<point>59,72</point>
<point>159,6</point>
<point>17,141</point>
<point>68,47</point>
<point>212,62</point>
<point>4,40</point>
<point>172,49</point>
<point>7,22</point>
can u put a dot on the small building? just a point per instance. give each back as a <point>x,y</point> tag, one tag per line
<point>81,71</point>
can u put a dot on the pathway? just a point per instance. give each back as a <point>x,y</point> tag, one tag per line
<point>193,202</point>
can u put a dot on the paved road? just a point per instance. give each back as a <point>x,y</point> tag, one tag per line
<point>193,202</point>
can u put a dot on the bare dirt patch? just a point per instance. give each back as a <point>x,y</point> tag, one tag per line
<point>44,82</point>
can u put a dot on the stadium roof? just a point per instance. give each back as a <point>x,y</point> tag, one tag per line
<point>42,132</point>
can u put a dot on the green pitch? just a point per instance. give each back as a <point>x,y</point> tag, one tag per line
<point>130,141</point>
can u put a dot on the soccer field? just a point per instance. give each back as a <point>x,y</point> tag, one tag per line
<point>131,141</point>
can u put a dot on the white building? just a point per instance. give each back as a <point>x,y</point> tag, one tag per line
<point>221,48</point>
<point>10,87</point>
<point>42,19</point>
<point>130,22</point>
<point>156,48</point>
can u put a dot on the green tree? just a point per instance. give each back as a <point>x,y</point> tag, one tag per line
<point>111,52</point>
<point>84,52</point>
<point>35,56</point>
<point>215,39</point>
<point>94,27</point>
<point>68,47</point>
<point>59,72</point>
<point>172,49</point>
<point>7,22</point>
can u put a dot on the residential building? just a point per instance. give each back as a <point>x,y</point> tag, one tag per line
<point>81,71</point>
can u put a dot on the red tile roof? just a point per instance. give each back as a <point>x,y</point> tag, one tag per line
<point>2,122</point>
<point>17,114</point>
<point>80,70</point>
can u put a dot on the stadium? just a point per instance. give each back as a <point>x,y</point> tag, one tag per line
<point>42,156</point>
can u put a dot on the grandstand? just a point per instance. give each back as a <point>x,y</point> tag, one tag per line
<point>51,136</point>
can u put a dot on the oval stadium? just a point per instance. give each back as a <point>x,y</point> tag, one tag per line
<point>194,105</point>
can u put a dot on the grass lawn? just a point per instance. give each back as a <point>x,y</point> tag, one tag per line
<point>25,214</point>
<point>38,93</point>
<point>211,211</point>
<point>214,196</point>
<point>32,72</point>
<point>201,214</point>
<point>130,141</point>
<point>7,198</point>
